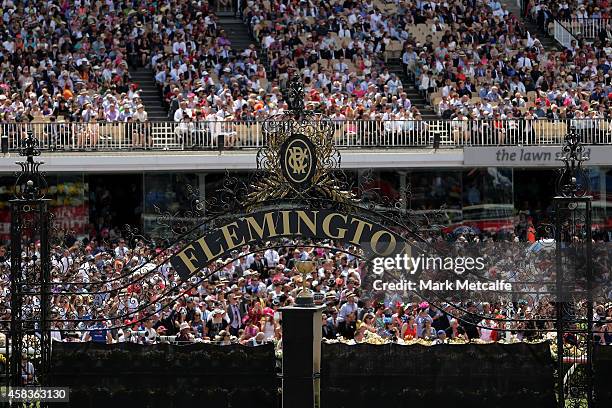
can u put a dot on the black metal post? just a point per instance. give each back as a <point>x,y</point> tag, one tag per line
<point>45,293</point>
<point>574,278</point>
<point>559,308</point>
<point>14,345</point>
<point>30,331</point>
<point>589,288</point>
<point>220,143</point>
<point>302,335</point>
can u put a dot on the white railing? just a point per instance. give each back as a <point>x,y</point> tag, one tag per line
<point>346,134</point>
<point>588,28</point>
<point>562,34</point>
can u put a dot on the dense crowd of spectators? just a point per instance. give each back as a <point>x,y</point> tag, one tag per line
<point>476,60</point>
<point>338,49</point>
<point>106,290</point>
<point>200,75</point>
<point>341,64</point>
<point>544,11</point>
<point>68,61</point>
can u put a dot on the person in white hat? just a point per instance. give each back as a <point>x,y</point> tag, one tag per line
<point>184,334</point>
<point>139,133</point>
<point>216,322</point>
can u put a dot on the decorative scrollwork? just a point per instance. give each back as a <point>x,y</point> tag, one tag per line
<point>271,182</point>
<point>133,235</point>
<point>58,236</point>
<point>30,182</point>
<point>398,208</point>
<point>573,182</point>
<point>230,197</point>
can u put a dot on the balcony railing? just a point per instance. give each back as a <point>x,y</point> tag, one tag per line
<point>588,28</point>
<point>562,34</point>
<point>347,134</point>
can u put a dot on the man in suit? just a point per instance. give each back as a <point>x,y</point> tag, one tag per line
<point>235,315</point>
<point>241,266</point>
<point>471,320</point>
<point>332,323</point>
<point>175,102</point>
<point>348,326</point>
<point>296,256</point>
<point>260,265</point>
<point>442,317</point>
<point>329,331</point>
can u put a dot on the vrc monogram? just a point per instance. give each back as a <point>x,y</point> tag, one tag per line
<point>298,159</point>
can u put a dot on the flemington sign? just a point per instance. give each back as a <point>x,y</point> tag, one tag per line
<point>530,156</point>
<point>263,226</point>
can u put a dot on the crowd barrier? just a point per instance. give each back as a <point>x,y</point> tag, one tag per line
<point>214,135</point>
<point>461,375</point>
<point>163,375</point>
<point>166,376</point>
<point>602,376</point>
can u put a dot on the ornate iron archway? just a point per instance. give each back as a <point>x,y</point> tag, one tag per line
<point>298,171</point>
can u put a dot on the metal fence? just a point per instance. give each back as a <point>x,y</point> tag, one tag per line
<point>347,134</point>
<point>588,28</point>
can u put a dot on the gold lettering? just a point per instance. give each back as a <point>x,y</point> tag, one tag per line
<point>209,255</point>
<point>260,229</point>
<point>286,224</point>
<point>359,231</point>
<point>326,225</point>
<point>311,223</point>
<point>188,259</point>
<point>230,236</point>
<point>376,237</point>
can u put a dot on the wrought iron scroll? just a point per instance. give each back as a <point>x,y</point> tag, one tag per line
<point>328,181</point>
<point>30,183</point>
<point>573,181</point>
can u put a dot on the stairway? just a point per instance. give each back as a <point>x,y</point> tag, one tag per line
<point>239,35</point>
<point>236,31</point>
<point>547,41</point>
<point>427,113</point>
<point>149,94</point>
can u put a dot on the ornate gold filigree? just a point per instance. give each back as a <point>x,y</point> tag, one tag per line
<point>272,184</point>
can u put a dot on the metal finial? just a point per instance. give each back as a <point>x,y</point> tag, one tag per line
<point>30,183</point>
<point>573,181</point>
<point>294,94</point>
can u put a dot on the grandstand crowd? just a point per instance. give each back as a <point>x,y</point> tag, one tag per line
<point>113,290</point>
<point>70,61</point>
<point>63,61</point>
